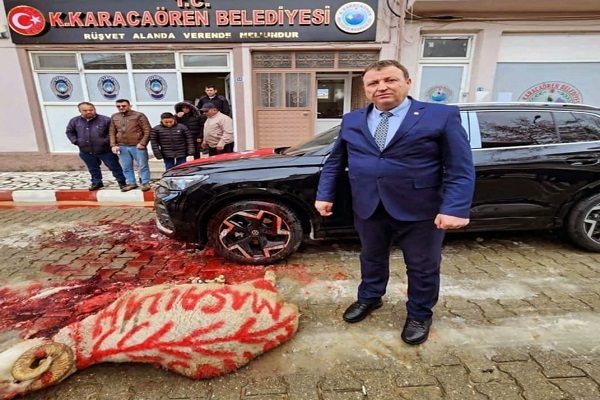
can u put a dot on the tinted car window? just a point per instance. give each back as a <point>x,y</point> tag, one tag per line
<point>577,127</point>
<point>316,143</point>
<point>516,128</point>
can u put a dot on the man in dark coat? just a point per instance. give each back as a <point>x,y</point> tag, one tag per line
<point>189,115</point>
<point>89,132</point>
<point>211,96</point>
<point>412,177</point>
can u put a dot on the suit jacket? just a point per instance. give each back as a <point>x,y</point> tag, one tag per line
<point>426,169</point>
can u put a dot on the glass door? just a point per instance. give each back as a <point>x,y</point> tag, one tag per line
<point>333,101</point>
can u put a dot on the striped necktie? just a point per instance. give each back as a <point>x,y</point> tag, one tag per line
<point>381,131</point>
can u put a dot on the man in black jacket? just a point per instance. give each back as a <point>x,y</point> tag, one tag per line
<point>89,131</point>
<point>212,97</point>
<point>189,115</point>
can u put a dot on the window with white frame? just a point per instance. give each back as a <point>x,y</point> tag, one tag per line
<point>444,47</point>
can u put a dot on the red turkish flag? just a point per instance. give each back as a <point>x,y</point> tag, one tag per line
<point>26,21</point>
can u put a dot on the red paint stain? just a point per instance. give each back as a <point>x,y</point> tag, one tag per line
<point>121,257</point>
<point>340,276</point>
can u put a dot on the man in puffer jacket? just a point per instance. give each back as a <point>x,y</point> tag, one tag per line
<point>89,132</point>
<point>171,141</point>
<point>189,115</point>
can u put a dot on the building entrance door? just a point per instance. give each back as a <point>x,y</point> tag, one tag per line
<point>333,100</point>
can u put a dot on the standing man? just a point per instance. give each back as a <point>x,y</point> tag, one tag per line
<point>189,115</point>
<point>129,137</point>
<point>412,177</point>
<point>218,131</point>
<point>89,132</point>
<point>212,97</point>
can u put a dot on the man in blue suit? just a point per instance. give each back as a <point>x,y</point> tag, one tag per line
<point>412,177</point>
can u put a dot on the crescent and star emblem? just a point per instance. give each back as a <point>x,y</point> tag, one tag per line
<point>26,20</point>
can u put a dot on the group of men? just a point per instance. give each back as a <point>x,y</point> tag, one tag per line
<point>121,140</point>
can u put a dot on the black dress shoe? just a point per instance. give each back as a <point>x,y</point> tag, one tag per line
<point>416,332</point>
<point>96,186</point>
<point>359,311</point>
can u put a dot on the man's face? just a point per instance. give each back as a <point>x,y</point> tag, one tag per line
<point>386,88</point>
<point>210,92</point>
<point>210,112</point>
<point>123,107</point>
<point>168,122</point>
<point>87,112</point>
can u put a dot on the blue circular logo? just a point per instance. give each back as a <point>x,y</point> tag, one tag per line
<point>156,87</point>
<point>354,17</point>
<point>109,87</point>
<point>439,94</point>
<point>61,87</point>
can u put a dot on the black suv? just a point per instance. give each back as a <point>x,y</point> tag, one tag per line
<point>538,167</point>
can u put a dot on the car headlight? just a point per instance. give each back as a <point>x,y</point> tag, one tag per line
<point>182,182</point>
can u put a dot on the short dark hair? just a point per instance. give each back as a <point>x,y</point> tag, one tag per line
<point>85,103</point>
<point>210,87</point>
<point>381,64</point>
<point>166,115</point>
<point>122,101</point>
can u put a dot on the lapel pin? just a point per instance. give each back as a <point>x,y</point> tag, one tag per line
<point>416,113</point>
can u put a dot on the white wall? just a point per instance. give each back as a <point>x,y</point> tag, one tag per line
<point>505,41</point>
<point>16,126</point>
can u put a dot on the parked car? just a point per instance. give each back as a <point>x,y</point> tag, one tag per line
<point>538,167</point>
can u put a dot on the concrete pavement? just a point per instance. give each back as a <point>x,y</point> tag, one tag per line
<point>517,319</point>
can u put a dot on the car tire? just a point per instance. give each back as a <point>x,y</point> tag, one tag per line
<point>255,232</point>
<point>583,224</point>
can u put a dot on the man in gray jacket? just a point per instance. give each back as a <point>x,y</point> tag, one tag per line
<point>89,132</point>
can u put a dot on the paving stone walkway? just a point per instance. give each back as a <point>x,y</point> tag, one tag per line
<point>518,316</point>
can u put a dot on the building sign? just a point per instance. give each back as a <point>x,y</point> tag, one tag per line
<point>190,21</point>
<point>552,92</point>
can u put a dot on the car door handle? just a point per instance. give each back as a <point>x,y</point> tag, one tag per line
<point>582,161</point>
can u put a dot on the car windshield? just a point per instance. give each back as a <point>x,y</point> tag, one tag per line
<point>316,143</point>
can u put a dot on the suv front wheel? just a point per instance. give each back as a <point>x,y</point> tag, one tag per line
<point>583,224</point>
<point>255,232</point>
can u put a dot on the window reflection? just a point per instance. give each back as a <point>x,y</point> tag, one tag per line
<point>104,61</point>
<point>153,60</point>
<point>516,128</point>
<point>577,127</point>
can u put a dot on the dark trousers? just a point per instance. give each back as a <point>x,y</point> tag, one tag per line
<point>228,148</point>
<point>421,244</point>
<point>94,161</point>
<point>171,162</point>
<point>197,149</point>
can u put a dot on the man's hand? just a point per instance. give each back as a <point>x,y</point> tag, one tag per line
<point>220,147</point>
<point>180,114</point>
<point>324,208</point>
<point>443,221</point>
<point>140,146</point>
<point>199,140</point>
<point>115,149</point>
